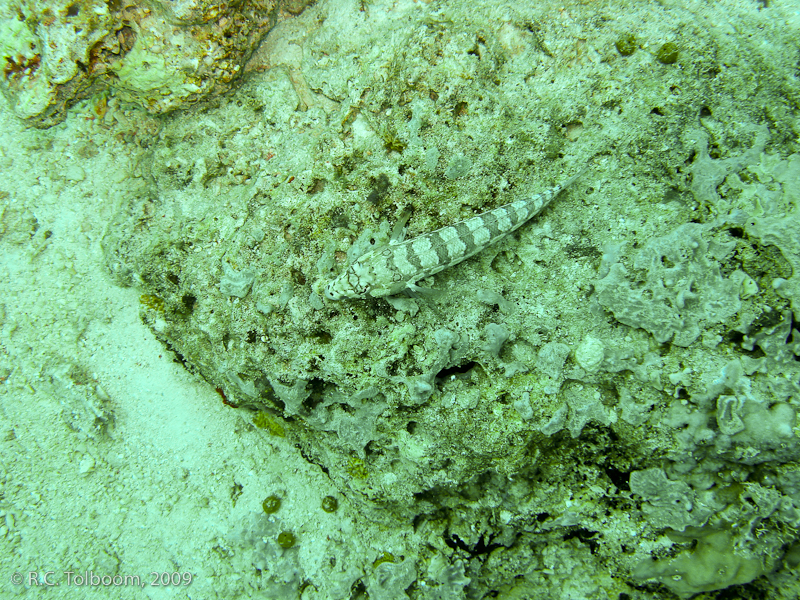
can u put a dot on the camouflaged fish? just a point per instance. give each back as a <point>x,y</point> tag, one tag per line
<point>396,267</point>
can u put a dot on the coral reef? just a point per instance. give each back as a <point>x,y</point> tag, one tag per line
<point>159,55</point>
<point>603,405</point>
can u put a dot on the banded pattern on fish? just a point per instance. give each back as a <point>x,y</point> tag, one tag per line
<point>398,266</point>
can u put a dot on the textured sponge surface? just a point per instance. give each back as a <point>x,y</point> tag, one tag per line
<point>675,287</point>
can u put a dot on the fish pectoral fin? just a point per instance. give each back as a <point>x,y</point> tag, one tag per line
<point>415,291</point>
<point>399,229</point>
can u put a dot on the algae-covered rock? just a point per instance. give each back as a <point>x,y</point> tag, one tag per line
<point>159,55</point>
